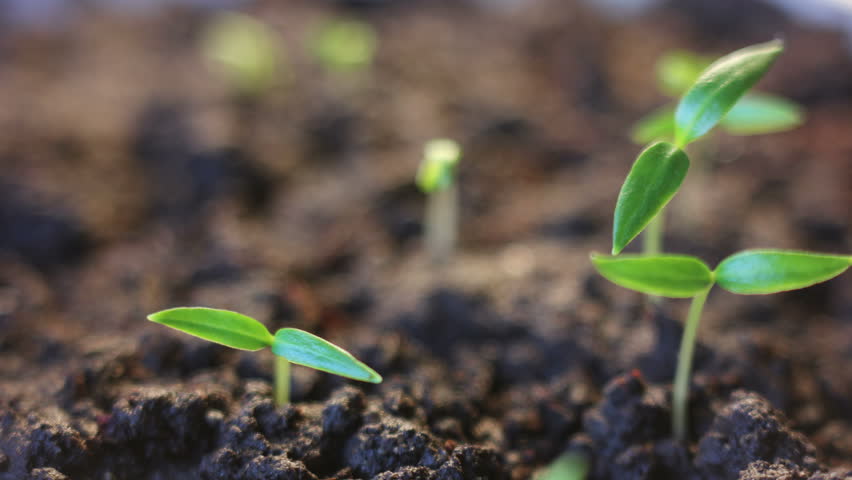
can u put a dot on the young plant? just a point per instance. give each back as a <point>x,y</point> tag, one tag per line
<point>652,182</point>
<point>750,272</point>
<point>345,45</point>
<point>754,114</point>
<point>289,345</point>
<point>436,178</point>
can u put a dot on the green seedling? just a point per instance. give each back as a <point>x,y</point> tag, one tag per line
<point>436,178</point>
<point>751,272</point>
<point>245,51</point>
<point>345,45</point>
<point>571,466</point>
<point>660,169</point>
<point>754,113</point>
<point>289,345</point>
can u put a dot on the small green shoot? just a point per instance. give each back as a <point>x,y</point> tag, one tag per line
<point>290,345</point>
<point>245,51</point>
<point>570,466</point>
<point>436,178</point>
<point>345,45</point>
<point>747,272</point>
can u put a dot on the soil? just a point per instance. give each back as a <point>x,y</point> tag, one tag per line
<point>130,181</point>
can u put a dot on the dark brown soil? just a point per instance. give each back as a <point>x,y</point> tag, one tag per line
<point>127,186</point>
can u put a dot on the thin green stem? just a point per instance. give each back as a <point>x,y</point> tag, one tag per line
<point>282,381</point>
<point>680,394</point>
<point>652,241</point>
<point>441,223</point>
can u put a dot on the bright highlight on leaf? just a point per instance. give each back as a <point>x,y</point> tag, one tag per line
<point>244,49</point>
<point>303,348</point>
<point>652,182</point>
<point>719,87</point>
<point>225,327</point>
<point>770,271</point>
<point>345,45</point>
<point>437,170</point>
<point>675,276</point>
<point>758,113</point>
<point>678,70</point>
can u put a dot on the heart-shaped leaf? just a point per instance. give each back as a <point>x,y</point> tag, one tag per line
<point>652,182</point>
<point>719,87</point>
<point>225,327</point>
<point>303,348</point>
<point>769,271</point>
<point>675,276</point>
<point>757,114</point>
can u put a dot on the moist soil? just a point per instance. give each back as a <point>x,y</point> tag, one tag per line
<point>131,182</point>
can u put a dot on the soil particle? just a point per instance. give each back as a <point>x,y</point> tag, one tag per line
<point>46,474</point>
<point>391,445</point>
<point>750,429</point>
<point>30,444</point>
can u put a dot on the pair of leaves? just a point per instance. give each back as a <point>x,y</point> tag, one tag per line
<point>238,331</point>
<point>749,272</point>
<point>660,169</point>
<point>437,170</point>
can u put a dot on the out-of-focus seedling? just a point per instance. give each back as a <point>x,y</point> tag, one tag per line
<point>436,178</point>
<point>754,114</point>
<point>345,45</point>
<point>750,272</point>
<point>290,345</point>
<point>571,466</point>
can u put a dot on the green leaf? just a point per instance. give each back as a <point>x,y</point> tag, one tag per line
<point>652,182</point>
<point>303,348</point>
<point>570,466</point>
<point>345,45</point>
<point>769,271</point>
<point>437,170</point>
<point>657,125</point>
<point>757,114</point>
<point>720,86</point>
<point>678,70</point>
<point>244,49</point>
<point>675,276</point>
<point>228,328</point>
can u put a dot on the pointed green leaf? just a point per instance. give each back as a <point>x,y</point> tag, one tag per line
<point>652,182</point>
<point>678,70</point>
<point>675,276</point>
<point>303,348</point>
<point>757,114</point>
<point>657,125</point>
<point>228,328</point>
<point>769,271</point>
<point>720,86</point>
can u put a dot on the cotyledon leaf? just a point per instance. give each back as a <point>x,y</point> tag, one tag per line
<point>754,272</point>
<point>675,276</point>
<point>303,348</point>
<point>225,327</point>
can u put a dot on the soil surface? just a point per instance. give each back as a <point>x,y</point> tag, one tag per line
<point>130,181</point>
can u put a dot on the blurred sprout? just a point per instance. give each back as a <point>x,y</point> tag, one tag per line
<point>678,69</point>
<point>436,178</point>
<point>245,50</point>
<point>345,45</point>
<point>571,466</point>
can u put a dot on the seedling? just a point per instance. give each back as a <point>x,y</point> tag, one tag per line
<point>754,114</point>
<point>289,345</point>
<point>570,466</point>
<point>750,272</point>
<point>345,45</point>
<point>436,178</point>
<point>656,177</point>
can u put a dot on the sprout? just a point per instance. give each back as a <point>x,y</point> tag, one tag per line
<point>245,51</point>
<point>753,114</point>
<point>570,466</point>
<point>436,178</point>
<point>345,45</point>
<point>290,345</point>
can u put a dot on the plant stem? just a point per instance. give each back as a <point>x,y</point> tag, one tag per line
<point>680,394</point>
<point>652,241</point>
<point>282,381</point>
<point>441,223</point>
